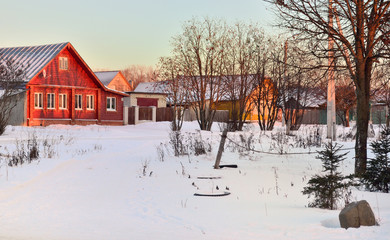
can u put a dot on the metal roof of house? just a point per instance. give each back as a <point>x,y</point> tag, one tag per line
<point>106,76</point>
<point>309,97</point>
<point>151,87</point>
<point>14,92</point>
<point>31,59</point>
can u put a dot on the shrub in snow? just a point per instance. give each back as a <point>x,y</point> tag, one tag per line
<point>176,142</point>
<point>279,142</point>
<point>196,144</point>
<point>191,143</point>
<point>160,152</point>
<point>377,176</point>
<point>247,141</point>
<point>49,144</point>
<point>25,152</point>
<point>145,169</point>
<point>310,138</point>
<point>331,187</point>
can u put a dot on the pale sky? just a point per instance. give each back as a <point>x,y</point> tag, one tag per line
<point>113,34</point>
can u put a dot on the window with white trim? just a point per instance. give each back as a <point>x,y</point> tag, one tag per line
<point>78,103</point>
<point>63,63</point>
<point>62,101</point>
<point>50,101</point>
<point>38,100</point>
<point>111,104</point>
<point>90,102</point>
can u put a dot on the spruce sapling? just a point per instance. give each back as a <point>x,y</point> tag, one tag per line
<point>330,187</point>
<point>377,176</point>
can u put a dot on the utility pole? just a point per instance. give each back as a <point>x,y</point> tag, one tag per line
<point>331,96</point>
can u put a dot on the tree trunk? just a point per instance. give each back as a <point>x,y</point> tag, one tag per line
<point>362,79</point>
<point>361,133</point>
<point>346,118</point>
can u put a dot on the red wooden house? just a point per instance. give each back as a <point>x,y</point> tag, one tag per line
<point>62,89</point>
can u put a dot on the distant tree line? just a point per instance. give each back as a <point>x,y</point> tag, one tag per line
<point>136,74</point>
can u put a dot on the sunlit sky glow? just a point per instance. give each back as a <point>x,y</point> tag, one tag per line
<point>114,34</point>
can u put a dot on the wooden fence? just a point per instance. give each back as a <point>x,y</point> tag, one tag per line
<point>146,114</point>
<point>164,114</point>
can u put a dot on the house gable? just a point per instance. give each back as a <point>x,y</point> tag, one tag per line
<point>77,73</point>
<point>114,80</point>
<point>120,83</point>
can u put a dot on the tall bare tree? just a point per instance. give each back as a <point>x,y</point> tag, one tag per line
<point>269,70</point>
<point>199,49</point>
<point>360,38</point>
<point>11,82</point>
<point>242,47</point>
<point>173,82</point>
<point>297,86</point>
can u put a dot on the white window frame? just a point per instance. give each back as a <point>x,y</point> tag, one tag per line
<point>38,100</point>
<point>90,102</point>
<point>78,102</point>
<point>62,101</point>
<point>51,101</point>
<point>111,104</point>
<point>63,63</point>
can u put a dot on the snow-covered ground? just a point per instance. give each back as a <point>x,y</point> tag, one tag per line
<point>110,183</point>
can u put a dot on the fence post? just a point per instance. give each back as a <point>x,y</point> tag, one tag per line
<point>154,113</point>
<point>125,115</point>
<point>136,115</point>
<point>220,150</point>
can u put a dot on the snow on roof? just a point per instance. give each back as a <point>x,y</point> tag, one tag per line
<point>309,97</point>
<point>106,76</point>
<point>31,59</point>
<point>151,87</point>
<point>380,96</point>
<point>16,91</point>
<point>315,99</point>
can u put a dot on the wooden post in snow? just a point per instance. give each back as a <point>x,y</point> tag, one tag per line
<point>220,150</point>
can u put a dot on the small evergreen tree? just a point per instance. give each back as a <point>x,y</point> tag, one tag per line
<point>332,186</point>
<point>377,176</point>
